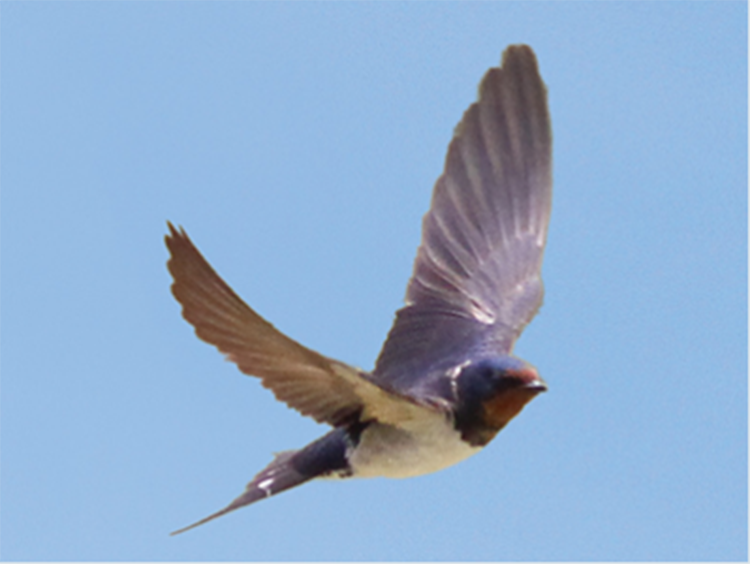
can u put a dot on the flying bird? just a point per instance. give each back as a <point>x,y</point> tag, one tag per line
<point>445,381</point>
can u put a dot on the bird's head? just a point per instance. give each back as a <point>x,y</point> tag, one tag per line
<point>490,393</point>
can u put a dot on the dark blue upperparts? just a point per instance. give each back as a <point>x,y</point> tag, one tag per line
<point>327,455</point>
<point>477,274</point>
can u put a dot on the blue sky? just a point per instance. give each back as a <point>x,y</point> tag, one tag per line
<point>298,144</point>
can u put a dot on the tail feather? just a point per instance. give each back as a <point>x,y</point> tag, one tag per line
<point>278,476</point>
<point>324,457</point>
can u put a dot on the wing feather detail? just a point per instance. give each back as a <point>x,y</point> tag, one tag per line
<point>323,388</point>
<point>477,275</point>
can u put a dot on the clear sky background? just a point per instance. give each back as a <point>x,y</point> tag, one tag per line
<point>298,144</point>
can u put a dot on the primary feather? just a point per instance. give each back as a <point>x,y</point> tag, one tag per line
<point>477,275</point>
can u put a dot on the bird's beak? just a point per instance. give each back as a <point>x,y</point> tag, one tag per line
<point>531,380</point>
<point>538,385</point>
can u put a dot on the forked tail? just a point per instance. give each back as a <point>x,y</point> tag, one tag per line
<point>323,457</point>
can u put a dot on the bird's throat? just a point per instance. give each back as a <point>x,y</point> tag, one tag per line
<point>499,410</point>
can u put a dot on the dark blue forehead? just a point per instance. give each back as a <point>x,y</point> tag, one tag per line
<point>480,380</point>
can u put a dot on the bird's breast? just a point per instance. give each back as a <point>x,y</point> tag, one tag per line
<point>418,447</point>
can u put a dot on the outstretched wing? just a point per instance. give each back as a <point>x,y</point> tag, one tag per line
<point>477,275</point>
<point>325,389</point>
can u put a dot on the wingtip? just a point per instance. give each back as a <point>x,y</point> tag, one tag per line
<point>519,59</point>
<point>516,60</point>
<point>174,231</point>
<point>176,239</point>
<point>518,51</point>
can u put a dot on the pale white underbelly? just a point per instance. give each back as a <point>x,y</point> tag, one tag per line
<point>418,447</point>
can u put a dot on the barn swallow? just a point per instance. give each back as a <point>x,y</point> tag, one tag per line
<point>445,381</point>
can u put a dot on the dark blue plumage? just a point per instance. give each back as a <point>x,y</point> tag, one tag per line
<point>477,275</point>
<point>445,382</point>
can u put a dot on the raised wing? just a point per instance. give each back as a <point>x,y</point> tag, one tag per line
<point>477,275</point>
<point>325,389</point>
